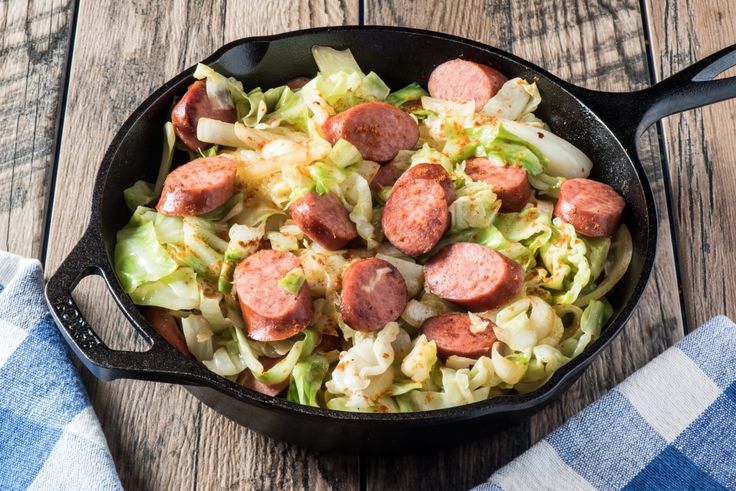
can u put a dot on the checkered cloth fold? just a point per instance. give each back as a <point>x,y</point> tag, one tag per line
<point>50,437</point>
<point>671,425</point>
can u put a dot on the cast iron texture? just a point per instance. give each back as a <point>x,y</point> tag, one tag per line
<point>606,126</point>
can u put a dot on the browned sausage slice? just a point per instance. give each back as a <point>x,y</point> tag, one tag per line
<point>416,215</point>
<point>386,176</point>
<point>377,129</point>
<point>434,172</point>
<point>195,105</point>
<point>271,313</point>
<point>592,207</point>
<point>297,83</point>
<point>452,335</point>
<point>509,183</point>
<point>198,187</point>
<point>165,324</point>
<point>324,219</point>
<point>474,276</point>
<point>462,81</point>
<point>246,379</point>
<point>373,294</point>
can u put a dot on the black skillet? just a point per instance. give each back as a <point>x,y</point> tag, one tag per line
<point>606,126</point>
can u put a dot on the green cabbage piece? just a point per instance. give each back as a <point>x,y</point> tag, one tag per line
<point>594,317</point>
<point>176,291</point>
<point>560,157</point>
<point>330,60</point>
<point>344,154</point>
<point>139,194</point>
<point>203,246</point>
<point>293,281</point>
<point>244,241</point>
<point>142,193</point>
<point>598,248</point>
<point>531,227</point>
<point>209,306</point>
<point>428,155</point>
<point>288,108</point>
<point>341,82</point>
<point>281,370</point>
<point>169,230</point>
<point>516,151</point>
<point>412,92</point>
<point>198,336</point>
<point>139,257</point>
<point>516,99</point>
<point>565,257</point>
<point>475,207</point>
<point>306,379</point>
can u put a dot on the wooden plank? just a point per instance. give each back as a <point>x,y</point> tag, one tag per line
<point>599,47</point>
<point>34,41</point>
<point>700,154</point>
<point>160,436</point>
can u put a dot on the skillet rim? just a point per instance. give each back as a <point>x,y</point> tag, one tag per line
<point>505,404</point>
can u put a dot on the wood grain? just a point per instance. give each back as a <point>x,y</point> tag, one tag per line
<point>700,154</point>
<point>34,41</point>
<point>598,46</point>
<point>160,436</point>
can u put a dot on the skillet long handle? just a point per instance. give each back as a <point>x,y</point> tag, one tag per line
<point>629,114</point>
<point>692,87</point>
<point>160,363</point>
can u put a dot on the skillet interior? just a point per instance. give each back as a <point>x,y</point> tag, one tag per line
<point>399,56</point>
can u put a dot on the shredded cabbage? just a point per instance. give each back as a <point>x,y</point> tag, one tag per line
<point>565,257</point>
<point>420,361</point>
<point>528,322</point>
<point>364,371</point>
<point>139,257</point>
<point>186,264</point>
<point>412,92</point>
<point>306,380</point>
<point>514,100</point>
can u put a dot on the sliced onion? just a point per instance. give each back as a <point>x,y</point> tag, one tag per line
<point>219,132</point>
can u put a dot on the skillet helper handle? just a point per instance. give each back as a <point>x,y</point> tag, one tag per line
<point>160,363</point>
<point>691,88</point>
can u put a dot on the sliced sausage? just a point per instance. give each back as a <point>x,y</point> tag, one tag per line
<point>195,105</point>
<point>164,323</point>
<point>271,313</point>
<point>416,215</point>
<point>246,379</point>
<point>433,172</point>
<point>377,129</point>
<point>386,176</point>
<point>198,187</point>
<point>592,207</point>
<point>509,183</point>
<point>474,276</point>
<point>297,83</point>
<point>324,219</point>
<point>373,294</point>
<point>452,335</point>
<point>462,81</point>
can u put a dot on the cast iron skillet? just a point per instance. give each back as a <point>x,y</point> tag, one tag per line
<point>606,126</point>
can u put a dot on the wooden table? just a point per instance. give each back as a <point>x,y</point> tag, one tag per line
<point>72,71</point>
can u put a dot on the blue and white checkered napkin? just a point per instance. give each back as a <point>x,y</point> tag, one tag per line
<point>671,425</point>
<point>49,435</point>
